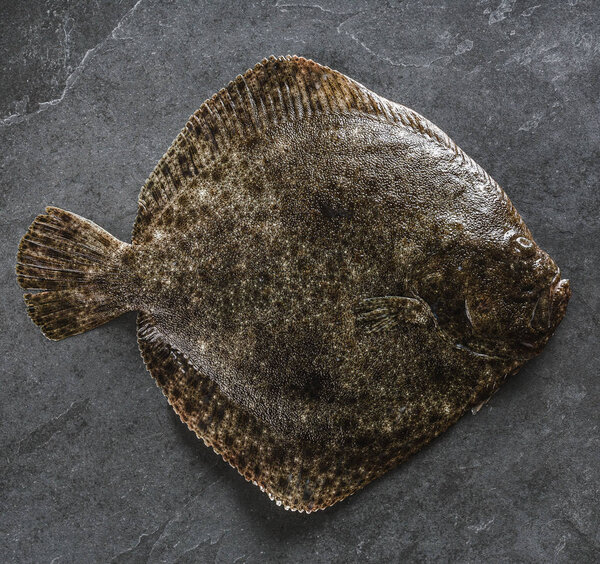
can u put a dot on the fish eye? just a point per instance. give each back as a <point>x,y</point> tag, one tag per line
<point>524,242</point>
<point>523,245</point>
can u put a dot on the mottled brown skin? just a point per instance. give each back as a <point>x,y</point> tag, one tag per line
<point>326,281</point>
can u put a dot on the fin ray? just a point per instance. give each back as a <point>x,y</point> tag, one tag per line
<point>389,312</point>
<point>280,465</point>
<point>77,292</point>
<point>286,89</point>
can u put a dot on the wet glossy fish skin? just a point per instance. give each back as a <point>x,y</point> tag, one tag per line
<point>322,296</point>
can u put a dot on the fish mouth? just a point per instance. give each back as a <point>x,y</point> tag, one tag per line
<point>556,300</point>
<point>548,312</point>
<point>560,294</point>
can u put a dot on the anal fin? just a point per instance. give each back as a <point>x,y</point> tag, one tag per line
<point>293,472</point>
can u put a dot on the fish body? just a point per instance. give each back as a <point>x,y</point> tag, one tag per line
<point>325,281</point>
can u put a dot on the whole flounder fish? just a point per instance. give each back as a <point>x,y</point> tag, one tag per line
<point>324,280</point>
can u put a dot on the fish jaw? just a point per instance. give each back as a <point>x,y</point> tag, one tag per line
<point>560,293</point>
<point>548,313</point>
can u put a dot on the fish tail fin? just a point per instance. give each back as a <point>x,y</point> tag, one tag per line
<point>78,266</point>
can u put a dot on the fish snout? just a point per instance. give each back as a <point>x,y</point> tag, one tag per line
<point>560,293</point>
<point>547,313</point>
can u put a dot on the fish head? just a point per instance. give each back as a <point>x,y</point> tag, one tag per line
<point>493,292</point>
<point>515,297</point>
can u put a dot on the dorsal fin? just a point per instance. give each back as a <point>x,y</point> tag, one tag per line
<point>276,90</point>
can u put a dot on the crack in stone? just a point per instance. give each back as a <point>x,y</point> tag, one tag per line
<point>527,13</point>
<point>140,549</point>
<point>209,543</point>
<point>178,514</point>
<point>391,61</point>
<point>67,41</point>
<point>44,432</point>
<point>468,45</point>
<point>282,8</point>
<point>383,58</point>
<point>500,13</point>
<point>73,77</point>
<point>483,526</point>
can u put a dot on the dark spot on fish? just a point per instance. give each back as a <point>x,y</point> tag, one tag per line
<point>332,211</point>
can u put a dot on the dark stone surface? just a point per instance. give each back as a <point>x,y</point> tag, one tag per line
<point>96,468</point>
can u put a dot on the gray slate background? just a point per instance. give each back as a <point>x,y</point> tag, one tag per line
<point>96,468</point>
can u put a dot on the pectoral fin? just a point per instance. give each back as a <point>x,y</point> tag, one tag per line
<point>389,312</point>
